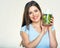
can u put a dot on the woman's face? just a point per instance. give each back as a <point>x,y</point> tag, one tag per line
<point>34,14</point>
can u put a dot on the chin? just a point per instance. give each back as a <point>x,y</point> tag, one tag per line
<point>36,21</point>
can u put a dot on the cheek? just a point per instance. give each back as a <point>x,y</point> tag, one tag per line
<point>30,17</point>
<point>40,15</point>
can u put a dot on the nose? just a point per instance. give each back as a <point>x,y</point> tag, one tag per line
<point>34,13</point>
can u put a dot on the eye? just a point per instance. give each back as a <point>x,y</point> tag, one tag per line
<point>30,12</point>
<point>36,10</point>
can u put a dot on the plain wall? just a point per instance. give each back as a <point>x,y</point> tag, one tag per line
<point>11,12</point>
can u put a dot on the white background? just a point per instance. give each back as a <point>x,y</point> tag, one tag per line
<point>11,12</point>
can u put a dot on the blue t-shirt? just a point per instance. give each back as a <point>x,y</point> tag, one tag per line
<point>33,34</point>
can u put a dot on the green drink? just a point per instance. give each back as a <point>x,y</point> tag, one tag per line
<point>46,19</point>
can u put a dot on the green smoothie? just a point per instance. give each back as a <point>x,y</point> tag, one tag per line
<point>46,19</point>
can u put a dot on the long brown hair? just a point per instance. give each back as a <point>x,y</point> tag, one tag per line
<point>26,19</point>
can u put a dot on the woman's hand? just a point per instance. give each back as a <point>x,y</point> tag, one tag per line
<point>52,22</point>
<point>49,28</point>
<point>44,29</point>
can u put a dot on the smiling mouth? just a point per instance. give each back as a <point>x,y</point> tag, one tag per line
<point>35,17</point>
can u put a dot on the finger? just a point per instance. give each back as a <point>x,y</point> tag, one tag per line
<point>51,23</point>
<point>52,17</point>
<point>52,20</point>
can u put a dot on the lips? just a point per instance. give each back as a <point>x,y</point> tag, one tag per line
<point>35,17</point>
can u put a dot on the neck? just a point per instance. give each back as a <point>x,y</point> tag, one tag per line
<point>36,24</point>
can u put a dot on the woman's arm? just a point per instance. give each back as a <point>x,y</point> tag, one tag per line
<point>35,42</point>
<point>29,44</point>
<point>53,41</point>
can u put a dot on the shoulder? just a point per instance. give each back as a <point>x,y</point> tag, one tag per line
<point>25,29</point>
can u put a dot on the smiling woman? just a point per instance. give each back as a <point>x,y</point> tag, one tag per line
<point>33,33</point>
<point>34,14</point>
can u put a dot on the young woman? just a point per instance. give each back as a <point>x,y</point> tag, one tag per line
<point>33,33</point>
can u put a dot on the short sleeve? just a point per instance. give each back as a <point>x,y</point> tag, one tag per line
<point>24,29</point>
<point>53,28</point>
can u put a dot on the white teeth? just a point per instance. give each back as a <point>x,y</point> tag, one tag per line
<point>35,17</point>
